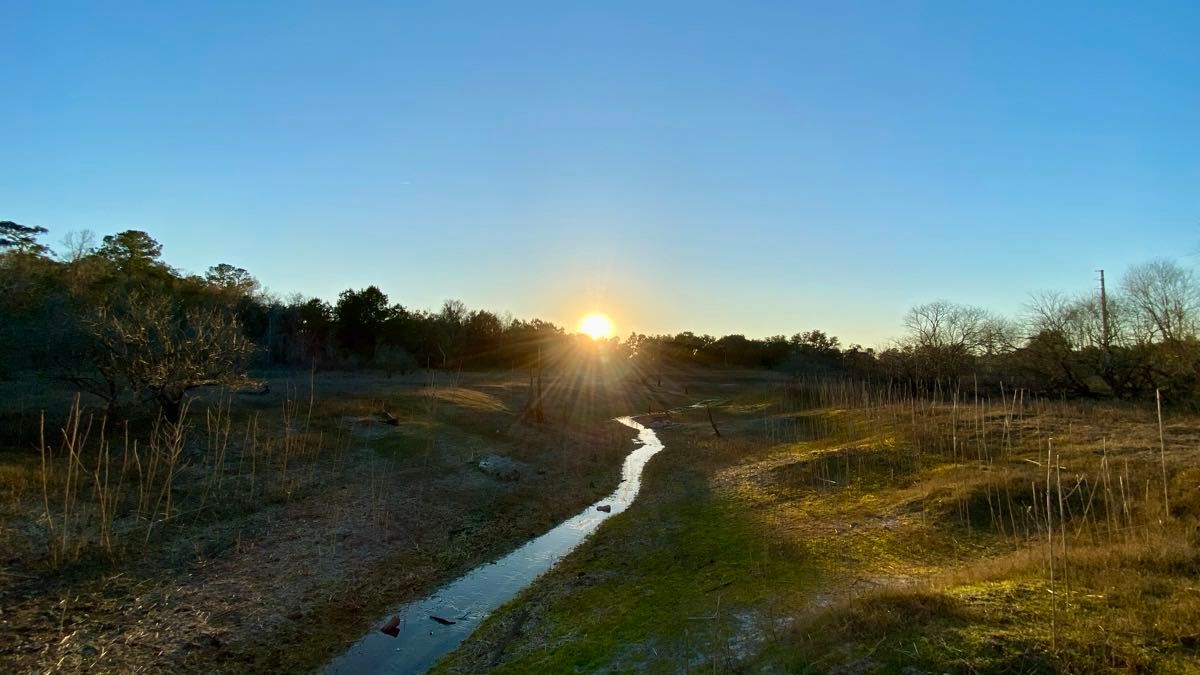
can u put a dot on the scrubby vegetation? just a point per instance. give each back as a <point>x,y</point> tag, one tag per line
<point>265,531</point>
<point>840,527</point>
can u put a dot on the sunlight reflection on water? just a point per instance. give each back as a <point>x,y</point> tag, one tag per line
<point>473,596</point>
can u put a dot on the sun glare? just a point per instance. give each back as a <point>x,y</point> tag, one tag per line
<point>596,325</point>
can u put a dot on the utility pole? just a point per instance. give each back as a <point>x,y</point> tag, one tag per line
<point>1105,335</point>
<point>1106,369</point>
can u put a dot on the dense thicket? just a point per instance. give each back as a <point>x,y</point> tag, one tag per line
<point>114,318</point>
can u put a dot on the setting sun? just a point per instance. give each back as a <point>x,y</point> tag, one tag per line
<point>596,325</point>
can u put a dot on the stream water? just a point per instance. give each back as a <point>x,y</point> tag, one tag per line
<point>465,602</point>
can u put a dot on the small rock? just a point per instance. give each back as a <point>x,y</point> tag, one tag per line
<point>392,627</point>
<point>501,467</point>
<point>605,508</point>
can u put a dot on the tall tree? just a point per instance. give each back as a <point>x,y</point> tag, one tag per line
<point>21,238</point>
<point>135,254</point>
<point>229,278</point>
<point>360,317</point>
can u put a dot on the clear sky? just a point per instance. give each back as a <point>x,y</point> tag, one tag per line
<point>723,167</point>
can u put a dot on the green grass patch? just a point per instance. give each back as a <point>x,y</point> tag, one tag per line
<point>671,582</point>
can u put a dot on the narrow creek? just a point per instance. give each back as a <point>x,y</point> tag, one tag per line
<point>461,605</point>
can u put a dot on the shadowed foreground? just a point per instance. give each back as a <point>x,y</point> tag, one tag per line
<point>277,528</point>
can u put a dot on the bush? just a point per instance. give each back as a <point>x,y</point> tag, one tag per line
<point>392,359</point>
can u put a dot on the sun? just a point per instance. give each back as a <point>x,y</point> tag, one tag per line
<point>596,325</point>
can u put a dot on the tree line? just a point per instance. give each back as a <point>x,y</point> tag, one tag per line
<point>1135,342</point>
<point>111,317</point>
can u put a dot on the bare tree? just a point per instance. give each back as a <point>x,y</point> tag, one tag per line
<point>945,325</point>
<point>1079,319</point>
<point>162,353</point>
<point>999,335</point>
<point>944,338</point>
<point>77,245</point>
<point>1166,298</point>
<point>1049,311</point>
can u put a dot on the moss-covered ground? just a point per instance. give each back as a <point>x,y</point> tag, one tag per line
<point>881,536</point>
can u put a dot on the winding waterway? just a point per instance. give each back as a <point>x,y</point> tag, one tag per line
<point>462,604</point>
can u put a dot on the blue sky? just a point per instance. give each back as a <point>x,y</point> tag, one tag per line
<point>721,167</point>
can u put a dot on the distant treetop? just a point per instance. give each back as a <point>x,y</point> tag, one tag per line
<point>21,238</point>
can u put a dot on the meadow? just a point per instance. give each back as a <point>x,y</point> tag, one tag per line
<point>839,527</point>
<point>791,525</point>
<point>267,531</point>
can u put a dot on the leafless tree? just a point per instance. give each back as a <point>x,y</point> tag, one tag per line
<point>944,338</point>
<point>1079,319</point>
<point>78,245</point>
<point>162,353</point>
<point>1166,298</point>
<point>999,335</point>
<point>1075,319</point>
<point>946,325</point>
<point>1049,311</point>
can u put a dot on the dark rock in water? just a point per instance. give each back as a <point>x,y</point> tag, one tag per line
<point>444,622</point>
<point>605,508</point>
<point>392,628</point>
<point>389,418</point>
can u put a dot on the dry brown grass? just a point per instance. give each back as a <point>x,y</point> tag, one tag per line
<point>1068,498</point>
<point>964,534</point>
<point>264,532</point>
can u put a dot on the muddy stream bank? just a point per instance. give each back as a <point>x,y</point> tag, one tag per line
<point>419,633</point>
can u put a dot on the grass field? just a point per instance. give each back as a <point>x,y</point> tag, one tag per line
<point>270,531</point>
<point>829,528</point>
<point>842,529</point>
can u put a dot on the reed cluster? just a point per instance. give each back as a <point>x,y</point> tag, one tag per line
<point>107,488</point>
